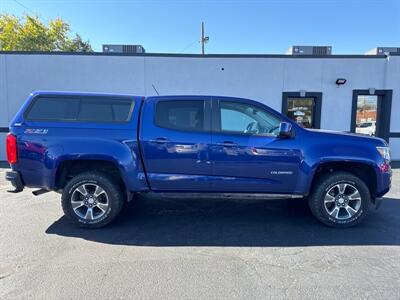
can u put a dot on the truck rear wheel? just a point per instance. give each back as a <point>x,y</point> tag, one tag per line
<point>92,199</point>
<point>340,199</point>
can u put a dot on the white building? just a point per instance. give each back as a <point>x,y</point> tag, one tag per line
<point>304,87</point>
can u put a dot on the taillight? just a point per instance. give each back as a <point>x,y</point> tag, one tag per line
<point>11,143</point>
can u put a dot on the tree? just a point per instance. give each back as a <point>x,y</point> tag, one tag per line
<point>31,34</point>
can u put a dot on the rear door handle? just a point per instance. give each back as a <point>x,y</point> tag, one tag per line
<point>159,140</point>
<point>227,144</point>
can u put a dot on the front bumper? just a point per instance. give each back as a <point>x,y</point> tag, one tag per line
<point>15,178</point>
<point>377,202</point>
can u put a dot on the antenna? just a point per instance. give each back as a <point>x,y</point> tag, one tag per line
<point>155,89</point>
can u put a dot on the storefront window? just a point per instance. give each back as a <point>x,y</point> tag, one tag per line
<point>301,110</point>
<point>366,114</point>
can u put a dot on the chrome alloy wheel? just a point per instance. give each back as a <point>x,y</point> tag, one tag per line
<point>89,201</point>
<point>342,201</point>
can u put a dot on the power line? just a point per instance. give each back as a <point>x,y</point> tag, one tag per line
<point>40,18</point>
<point>188,46</point>
<point>23,6</point>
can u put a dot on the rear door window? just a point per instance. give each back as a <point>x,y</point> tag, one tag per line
<point>81,109</point>
<point>185,115</point>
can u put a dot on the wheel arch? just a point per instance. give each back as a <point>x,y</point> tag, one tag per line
<point>69,168</point>
<point>363,170</point>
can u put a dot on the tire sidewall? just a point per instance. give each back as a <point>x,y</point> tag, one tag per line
<point>112,194</point>
<point>365,199</point>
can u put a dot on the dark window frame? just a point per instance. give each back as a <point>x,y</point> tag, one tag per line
<point>206,115</point>
<point>76,120</point>
<point>383,109</point>
<point>317,108</point>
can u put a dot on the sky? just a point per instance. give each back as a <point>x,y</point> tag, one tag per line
<point>238,27</point>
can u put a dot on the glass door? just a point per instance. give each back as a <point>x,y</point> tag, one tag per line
<point>371,112</point>
<point>305,110</point>
<point>301,110</point>
<point>366,114</point>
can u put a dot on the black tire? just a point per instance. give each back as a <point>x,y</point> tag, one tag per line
<point>328,182</point>
<point>113,197</point>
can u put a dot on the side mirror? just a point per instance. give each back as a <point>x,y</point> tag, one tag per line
<point>285,130</point>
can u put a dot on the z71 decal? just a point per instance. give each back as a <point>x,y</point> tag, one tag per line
<point>36,131</point>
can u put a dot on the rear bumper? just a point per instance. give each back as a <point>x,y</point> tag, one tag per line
<point>15,179</point>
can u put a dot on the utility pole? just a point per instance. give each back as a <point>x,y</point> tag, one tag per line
<point>204,39</point>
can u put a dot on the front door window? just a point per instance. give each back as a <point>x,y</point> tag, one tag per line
<point>247,119</point>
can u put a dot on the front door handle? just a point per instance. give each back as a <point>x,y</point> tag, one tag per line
<point>227,144</point>
<point>160,140</point>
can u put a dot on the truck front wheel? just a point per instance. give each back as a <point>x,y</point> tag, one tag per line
<point>340,199</point>
<point>92,199</point>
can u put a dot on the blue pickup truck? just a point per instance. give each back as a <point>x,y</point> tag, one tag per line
<point>102,150</point>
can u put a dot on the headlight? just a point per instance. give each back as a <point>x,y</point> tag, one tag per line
<point>384,152</point>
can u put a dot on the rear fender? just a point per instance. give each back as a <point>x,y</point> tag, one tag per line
<point>122,154</point>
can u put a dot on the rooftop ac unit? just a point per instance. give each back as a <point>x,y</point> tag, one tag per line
<point>383,50</point>
<point>134,49</point>
<point>309,50</point>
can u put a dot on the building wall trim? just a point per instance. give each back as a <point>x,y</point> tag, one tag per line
<point>358,56</point>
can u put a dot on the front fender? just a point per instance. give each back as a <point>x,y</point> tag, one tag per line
<point>320,149</point>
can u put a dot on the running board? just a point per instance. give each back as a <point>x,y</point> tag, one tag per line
<point>183,195</point>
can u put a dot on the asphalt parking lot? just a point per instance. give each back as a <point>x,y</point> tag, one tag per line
<point>197,249</point>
